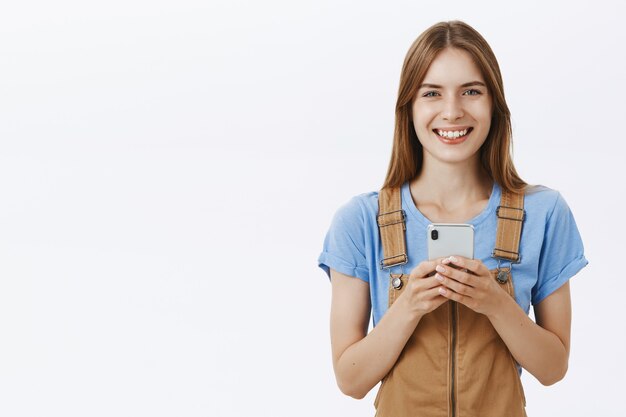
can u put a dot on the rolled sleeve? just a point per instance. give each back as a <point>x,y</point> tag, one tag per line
<point>554,283</point>
<point>327,261</point>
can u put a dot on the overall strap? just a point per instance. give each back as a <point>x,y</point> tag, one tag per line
<point>391,224</point>
<point>511,215</point>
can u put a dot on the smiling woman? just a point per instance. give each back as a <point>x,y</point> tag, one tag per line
<point>452,336</point>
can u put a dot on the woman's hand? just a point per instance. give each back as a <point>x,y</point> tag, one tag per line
<point>471,284</point>
<point>421,294</point>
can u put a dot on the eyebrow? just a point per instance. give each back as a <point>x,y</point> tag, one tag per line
<point>471,83</point>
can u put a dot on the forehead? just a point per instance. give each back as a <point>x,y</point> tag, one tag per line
<point>452,67</point>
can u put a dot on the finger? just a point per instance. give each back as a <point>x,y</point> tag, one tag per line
<point>423,284</point>
<point>449,263</point>
<point>429,283</point>
<point>477,267</point>
<point>433,293</point>
<point>451,295</point>
<point>457,275</point>
<point>425,269</point>
<point>455,286</point>
<point>467,264</point>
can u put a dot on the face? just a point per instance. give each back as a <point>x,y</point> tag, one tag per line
<point>452,108</point>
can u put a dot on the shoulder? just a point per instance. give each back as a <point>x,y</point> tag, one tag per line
<point>547,209</point>
<point>543,201</point>
<point>361,207</point>
<point>356,218</point>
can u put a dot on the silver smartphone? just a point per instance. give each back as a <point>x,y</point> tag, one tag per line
<point>446,239</point>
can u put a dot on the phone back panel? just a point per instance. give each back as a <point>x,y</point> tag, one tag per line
<point>452,239</point>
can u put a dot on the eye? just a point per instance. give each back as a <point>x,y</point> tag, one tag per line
<point>474,91</point>
<point>428,94</point>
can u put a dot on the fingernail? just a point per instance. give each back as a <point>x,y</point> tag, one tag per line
<point>439,277</point>
<point>442,291</point>
<point>440,268</point>
<point>453,259</point>
<point>445,261</point>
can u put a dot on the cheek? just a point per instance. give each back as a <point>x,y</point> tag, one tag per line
<point>484,118</point>
<point>482,112</point>
<point>422,117</point>
<point>421,129</point>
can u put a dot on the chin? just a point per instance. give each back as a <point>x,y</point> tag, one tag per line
<point>456,157</point>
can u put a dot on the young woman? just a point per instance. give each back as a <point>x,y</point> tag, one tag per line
<point>451,335</point>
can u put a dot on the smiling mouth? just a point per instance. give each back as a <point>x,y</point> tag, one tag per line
<point>453,134</point>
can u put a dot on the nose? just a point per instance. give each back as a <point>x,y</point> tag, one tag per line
<point>452,109</point>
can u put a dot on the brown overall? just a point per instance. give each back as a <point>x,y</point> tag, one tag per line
<point>454,364</point>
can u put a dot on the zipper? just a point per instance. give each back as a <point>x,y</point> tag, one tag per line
<point>453,307</point>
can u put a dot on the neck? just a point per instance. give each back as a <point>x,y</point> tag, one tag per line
<point>452,185</point>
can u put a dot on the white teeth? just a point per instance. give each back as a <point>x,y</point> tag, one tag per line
<point>452,134</point>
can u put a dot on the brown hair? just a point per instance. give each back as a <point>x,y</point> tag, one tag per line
<point>407,152</point>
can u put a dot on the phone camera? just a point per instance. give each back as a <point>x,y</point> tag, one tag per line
<point>434,235</point>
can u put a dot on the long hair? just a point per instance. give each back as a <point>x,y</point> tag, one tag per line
<point>407,152</point>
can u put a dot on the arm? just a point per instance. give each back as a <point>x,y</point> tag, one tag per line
<point>361,360</point>
<point>541,348</point>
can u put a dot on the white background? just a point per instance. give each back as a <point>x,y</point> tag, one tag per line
<point>168,171</point>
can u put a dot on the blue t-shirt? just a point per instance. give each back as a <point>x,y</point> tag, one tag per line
<point>551,247</point>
